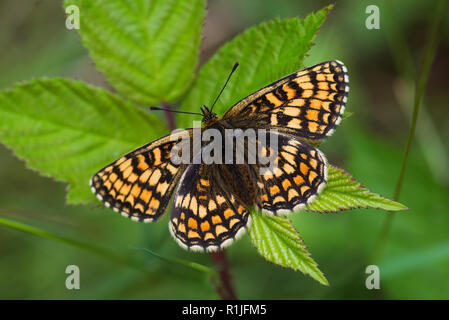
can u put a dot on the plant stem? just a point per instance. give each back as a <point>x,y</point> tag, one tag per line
<point>169,116</point>
<point>224,289</point>
<point>103,252</point>
<point>420,88</point>
<point>224,286</point>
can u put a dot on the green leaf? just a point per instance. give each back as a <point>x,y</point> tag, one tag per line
<point>276,240</point>
<point>68,130</point>
<point>346,115</point>
<point>266,53</point>
<point>147,49</point>
<point>342,192</point>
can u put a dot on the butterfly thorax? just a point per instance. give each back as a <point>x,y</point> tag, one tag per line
<point>209,118</point>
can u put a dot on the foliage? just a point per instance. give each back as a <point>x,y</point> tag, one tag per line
<point>277,240</point>
<point>342,192</point>
<point>265,52</point>
<point>67,129</point>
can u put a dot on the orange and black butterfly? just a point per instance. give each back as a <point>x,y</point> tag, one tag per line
<point>211,202</point>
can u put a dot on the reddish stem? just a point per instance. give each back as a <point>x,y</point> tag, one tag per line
<point>224,288</point>
<point>169,116</point>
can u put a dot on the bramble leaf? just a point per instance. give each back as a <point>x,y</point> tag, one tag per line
<point>266,53</point>
<point>68,130</point>
<point>147,49</point>
<point>277,240</point>
<point>342,192</point>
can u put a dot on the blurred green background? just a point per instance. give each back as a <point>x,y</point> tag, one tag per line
<point>382,67</point>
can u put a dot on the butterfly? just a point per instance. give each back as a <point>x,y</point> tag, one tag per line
<point>212,202</point>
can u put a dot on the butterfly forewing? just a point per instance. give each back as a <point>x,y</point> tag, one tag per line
<point>139,184</point>
<point>308,104</point>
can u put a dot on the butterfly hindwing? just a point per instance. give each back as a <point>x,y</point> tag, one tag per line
<point>139,184</point>
<point>205,215</point>
<point>308,104</point>
<point>297,176</point>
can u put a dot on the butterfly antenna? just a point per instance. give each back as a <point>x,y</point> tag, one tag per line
<point>174,111</point>
<point>229,77</point>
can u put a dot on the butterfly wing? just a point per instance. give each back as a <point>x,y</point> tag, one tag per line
<point>206,214</point>
<point>308,104</point>
<point>298,173</point>
<point>139,184</point>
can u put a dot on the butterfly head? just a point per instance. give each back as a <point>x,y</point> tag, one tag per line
<point>207,114</point>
